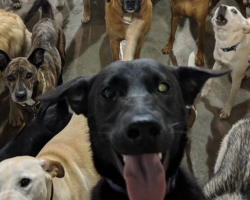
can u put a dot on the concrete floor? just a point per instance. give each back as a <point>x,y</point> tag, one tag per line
<point>88,49</point>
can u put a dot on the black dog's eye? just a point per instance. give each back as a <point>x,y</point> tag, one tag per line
<point>234,11</point>
<point>108,93</point>
<point>163,87</point>
<point>10,78</point>
<point>29,75</point>
<point>24,182</point>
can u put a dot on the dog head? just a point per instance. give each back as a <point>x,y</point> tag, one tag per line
<point>23,178</point>
<point>137,117</point>
<point>130,6</point>
<point>20,74</point>
<point>230,18</point>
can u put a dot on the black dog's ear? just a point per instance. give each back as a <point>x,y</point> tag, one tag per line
<point>37,57</point>
<point>4,60</point>
<point>192,79</point>
<point>75,92</point>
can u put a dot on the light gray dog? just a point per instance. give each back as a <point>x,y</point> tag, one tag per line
<point>231,179</point>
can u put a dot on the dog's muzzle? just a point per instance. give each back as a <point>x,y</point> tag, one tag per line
<point>131,6</point>
<point>220,18</point>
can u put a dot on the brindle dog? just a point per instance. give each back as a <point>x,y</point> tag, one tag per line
<point>41,71</point>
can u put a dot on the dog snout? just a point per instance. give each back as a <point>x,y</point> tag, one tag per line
<point>21,94</point>
<point>143,130</point>
<point>223,7</point>
<point>131,4</point>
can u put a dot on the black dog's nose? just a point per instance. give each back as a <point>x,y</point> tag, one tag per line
<point>21,95</point>
<point>141,130</point>
<point>131,4</point>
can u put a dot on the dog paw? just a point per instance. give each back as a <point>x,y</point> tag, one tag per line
<point>85,19</point>
<point>16,120</point>
<point>205,91</point>
<point>59,3</point>
<point>225,113</point>
<point>17,5</point>
<point>198,61</point>
<point>167,49</point>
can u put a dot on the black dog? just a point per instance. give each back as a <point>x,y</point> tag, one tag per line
<point>50,120</point>
<point>137,114</point>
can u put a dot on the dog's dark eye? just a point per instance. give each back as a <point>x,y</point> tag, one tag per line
<point>234,11</point>
<point>24,182</point>
<point>10,78</point>
<point>163,87</point>
<point>29,75</point>
<point>108,93</point>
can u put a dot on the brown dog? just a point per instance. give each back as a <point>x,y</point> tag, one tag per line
<point>185,8</point>
<point>41,71</point>
<point>119,14</point>
<point>15,40</point>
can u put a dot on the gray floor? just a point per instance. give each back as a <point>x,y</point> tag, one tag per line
<point>88,50</point>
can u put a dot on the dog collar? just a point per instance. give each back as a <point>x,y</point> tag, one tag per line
<point>232,48</point>
<point>52,192</point>
<point>117,188</point>
<point>32,109</point>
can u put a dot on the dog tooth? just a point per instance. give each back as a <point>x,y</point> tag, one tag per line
<point>124,158</point>
<point>160,155</point>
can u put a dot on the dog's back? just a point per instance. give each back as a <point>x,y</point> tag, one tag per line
<point>15,39</point>
<point>71,148</point>
<point>231,180</point>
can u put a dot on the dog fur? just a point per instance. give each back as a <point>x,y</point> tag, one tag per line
<point>232,34</point>
<point>137,109</point>
<point>231,172</point>
<point>29,77</point>
<point>67,156</point>
<point>15,40</point>
<point>49,121</point>
<point>118,16</point>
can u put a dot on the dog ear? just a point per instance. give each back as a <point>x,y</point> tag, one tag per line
<point>36,57</point>
<point>75,92</point>
<point>4,60</point>
<point>192,79</point>
<point>54,168</point>
<point>246,26</point>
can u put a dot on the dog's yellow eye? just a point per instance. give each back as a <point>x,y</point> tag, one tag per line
<point>163,87</point>
<point>234,11</point>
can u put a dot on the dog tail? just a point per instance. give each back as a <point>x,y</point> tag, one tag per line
<point>46,10</point>
<point>132,36</point>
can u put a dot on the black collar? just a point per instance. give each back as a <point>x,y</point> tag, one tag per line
<point>52,192</point>
<point>171,185</point>
<point>232,48</point>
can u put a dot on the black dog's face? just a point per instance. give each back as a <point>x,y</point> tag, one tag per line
<point>131,6</point>
<point>137,117</point>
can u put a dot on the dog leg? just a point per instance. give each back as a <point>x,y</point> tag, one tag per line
<point>199,56</point>
<point>59,3</point>
<point>115,49</point>
<point>15,116</point>
<point>174,23</point>
<point>86,12</point>
<point>236,81</point>
<point>138,48</point>
<point>242,7</point>
<point>16,4</point>
<point>207,86</point>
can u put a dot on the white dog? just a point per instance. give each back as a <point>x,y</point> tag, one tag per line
<point>232,49</point>
<point>63,170</point>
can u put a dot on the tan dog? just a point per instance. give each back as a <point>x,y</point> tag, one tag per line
<point>198,10</point>
<point>119,14</point>
<point>15,40</point>
<point>67,156</point>
<point>41,71</point>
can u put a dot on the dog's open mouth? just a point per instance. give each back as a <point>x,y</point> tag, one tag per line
<point>144,175</point>
<point>220,18</point>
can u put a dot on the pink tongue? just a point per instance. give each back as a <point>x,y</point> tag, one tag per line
<point>145,177</point>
